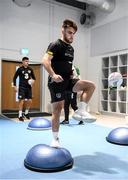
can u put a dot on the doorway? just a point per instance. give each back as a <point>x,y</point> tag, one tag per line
<point>9,101</point>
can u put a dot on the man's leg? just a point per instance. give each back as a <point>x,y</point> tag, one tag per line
<point>57,107</point>
<point>67,102</point>
<point>74,105</point>
<point>74,101</point>
<point>21,103</point>
<point>87,88</point>
<point>27,108</point>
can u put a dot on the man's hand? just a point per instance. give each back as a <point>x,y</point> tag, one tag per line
<point>57,78</point>
<point>15,88</point>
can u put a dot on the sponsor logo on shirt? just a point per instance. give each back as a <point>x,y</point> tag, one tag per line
<point>69,55</point>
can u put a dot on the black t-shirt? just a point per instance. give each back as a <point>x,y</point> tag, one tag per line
<point>63,55</point>
<point>24,75</point>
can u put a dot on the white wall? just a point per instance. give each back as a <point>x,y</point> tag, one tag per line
<point>34,27</point>
<point>24,27</point>
<point>121,10</point>
<point>94,63</point>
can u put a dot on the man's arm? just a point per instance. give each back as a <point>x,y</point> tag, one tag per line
<point>46,61</point>
<point>33,75</point>
<point>14,80</point>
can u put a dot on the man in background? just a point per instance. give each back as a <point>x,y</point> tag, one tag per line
<point>26,80</point>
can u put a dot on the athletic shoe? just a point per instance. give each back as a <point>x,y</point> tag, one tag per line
<point>81,123</point>
<point>21,118</point>
<point>27,116</point>
<point>65,122</point>
<point>55,143</point>
<point>83,116</point>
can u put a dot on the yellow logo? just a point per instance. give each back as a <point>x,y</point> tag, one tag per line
<point>50,53</point>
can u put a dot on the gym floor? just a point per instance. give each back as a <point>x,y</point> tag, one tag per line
<point>94,158</point>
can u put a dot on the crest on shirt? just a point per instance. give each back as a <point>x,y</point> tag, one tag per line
<point>58,95</point>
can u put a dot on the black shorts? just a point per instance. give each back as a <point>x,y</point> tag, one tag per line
<point>25,93</point>
<point>57,90</point>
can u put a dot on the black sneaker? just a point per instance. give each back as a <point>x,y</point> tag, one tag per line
<point>81,123</point>
<point>65,122</point>
<point>21,118</point>
<point>27,116</point>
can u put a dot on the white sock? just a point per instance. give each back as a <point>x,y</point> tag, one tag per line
<point>26,111</point>
<point>20,113</point>
<point>55,135</point>
<point>82,106</point>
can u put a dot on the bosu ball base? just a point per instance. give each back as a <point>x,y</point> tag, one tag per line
<point>118,136</point>
<point>43,158</point>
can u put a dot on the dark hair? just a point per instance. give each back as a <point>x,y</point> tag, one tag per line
<point>25,58</point>
<point>69,23</point>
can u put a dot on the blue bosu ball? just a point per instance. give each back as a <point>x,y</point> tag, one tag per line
<point>118,136</point>
<point>39,123</point>
<point>44,158</point>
